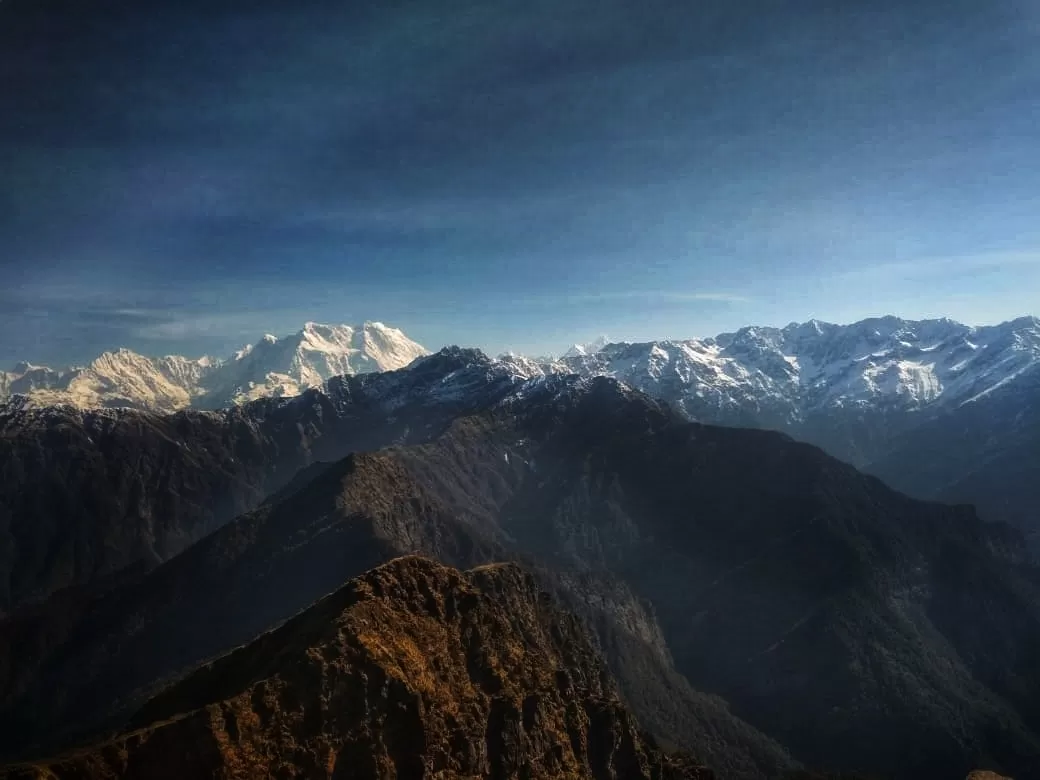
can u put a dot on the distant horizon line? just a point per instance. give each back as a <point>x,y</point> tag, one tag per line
<point>73,366</point>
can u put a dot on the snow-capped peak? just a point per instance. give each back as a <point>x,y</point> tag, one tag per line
<point>589,348</point>
<point>314,354</point>
<point>808,367</point>
<point>272,366</point>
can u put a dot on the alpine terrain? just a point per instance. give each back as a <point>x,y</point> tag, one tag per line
<point>850,389</point>
<point>761,604</point>
<point>939,409</point>
<point>273,367</point>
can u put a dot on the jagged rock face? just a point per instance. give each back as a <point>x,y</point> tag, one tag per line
<point>412,670</point>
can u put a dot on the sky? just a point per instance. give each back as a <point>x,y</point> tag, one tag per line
<point>182,177</point>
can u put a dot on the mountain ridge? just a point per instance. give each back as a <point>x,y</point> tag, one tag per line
<point>90,491</point>
<point>272,367</point>
<point>410,669</point>
<point>804,368</point>
<point>883,394</point>
<point>793,378</point>
<point>941,410</point>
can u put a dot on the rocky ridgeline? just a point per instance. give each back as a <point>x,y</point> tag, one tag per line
<point>411,670</point>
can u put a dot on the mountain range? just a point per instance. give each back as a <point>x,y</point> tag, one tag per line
<point>802,379</point>
<point>806,377</point>
<point>760,604</point>
<point>794,377</point>
<point>939,409</point>
<point>273,367</point>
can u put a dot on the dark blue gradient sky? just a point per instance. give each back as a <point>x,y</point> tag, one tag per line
<point>184,176</point>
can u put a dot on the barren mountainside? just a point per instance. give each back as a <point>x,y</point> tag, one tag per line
<point>411,670</point>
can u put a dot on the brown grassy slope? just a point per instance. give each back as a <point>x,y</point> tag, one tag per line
<point>411,670</point>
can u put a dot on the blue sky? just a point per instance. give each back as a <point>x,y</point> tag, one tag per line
<point>183,177</point>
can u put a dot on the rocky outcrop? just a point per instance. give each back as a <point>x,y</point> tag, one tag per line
<point>412,670</point>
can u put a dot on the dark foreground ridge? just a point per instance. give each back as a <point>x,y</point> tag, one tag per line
<point>411,670</point>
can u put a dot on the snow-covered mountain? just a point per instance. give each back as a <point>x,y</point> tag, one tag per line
<point>829,384</point>
<point>276,367</point>
<point>589,348</point>
<point>817,365</point>
<point>271,367</point>
<point>848,388</point>
<point>120,378</point>
<point>939,409</point>
<point>25,377</point>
